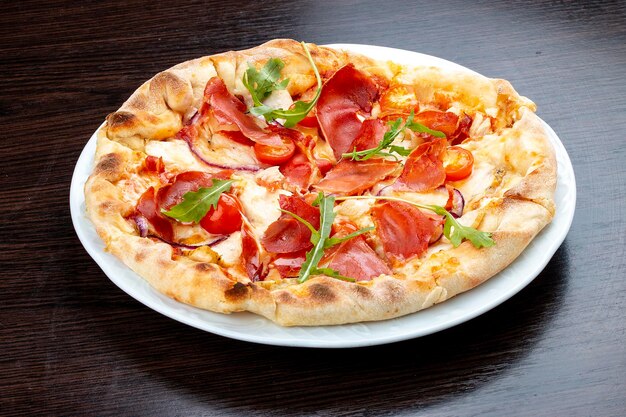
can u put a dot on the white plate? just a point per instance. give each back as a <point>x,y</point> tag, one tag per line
<point>249,327</point>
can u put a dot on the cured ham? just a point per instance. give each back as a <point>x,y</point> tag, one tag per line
<point>172,194</point>
<point>251,256</point>
<point>346,94</point>
<point>462,131</point>
<point>288,264</point>
<point>148,208</point>
<point>354,258</point>
<point>228,109</point>
<point>423,170</point>
<point>354,177</point>
<point>298,170</point>
<point>370,135</point>
<point>153,164</point>
<point>404,230</point>
<point>302,169</point>
<point>287,235</point>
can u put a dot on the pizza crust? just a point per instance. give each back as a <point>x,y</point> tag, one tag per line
<point>514,208</point>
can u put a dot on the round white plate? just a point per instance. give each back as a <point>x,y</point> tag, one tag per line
<point>249,327</point>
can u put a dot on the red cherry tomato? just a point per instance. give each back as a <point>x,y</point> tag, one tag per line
<point>275,155</point>
<point>398,100</point>
<point>225,219</point>
<point>458,163</point>
<point>445,122</point>
<point>309,121</point>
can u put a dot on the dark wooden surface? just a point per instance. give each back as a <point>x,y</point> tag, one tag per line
<point>72,343</point>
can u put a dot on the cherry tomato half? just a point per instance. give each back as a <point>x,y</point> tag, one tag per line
<point>225,219</point>
<point>445,122</point>
<point>275,155</point>
<point>309,121</point>
<point>458,163</point>
<point>399,99</point>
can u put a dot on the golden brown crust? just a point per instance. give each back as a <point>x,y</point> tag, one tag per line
<point>515,206</point>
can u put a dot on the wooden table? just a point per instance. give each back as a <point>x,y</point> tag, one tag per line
<point>72,343</point>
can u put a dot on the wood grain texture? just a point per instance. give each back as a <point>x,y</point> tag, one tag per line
<point>74,344</point>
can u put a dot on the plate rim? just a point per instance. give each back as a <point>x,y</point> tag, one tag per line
<point>182,315</point>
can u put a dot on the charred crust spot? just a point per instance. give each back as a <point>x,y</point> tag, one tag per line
<point>141,256</point>
<point>237,292</point>
<point>109,164</point>
<point>173,295</point>
<point>321,292</point>
<point>203,267</point>
<point>107,206</point>
<point>138,102</point>
<point>168,79</point>
<point>393,292</point>
<point>120,119</point>
<point>284,297</point>
<point>362,291</point>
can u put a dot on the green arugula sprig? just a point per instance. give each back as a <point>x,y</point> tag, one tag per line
<point>321,240</point>
<point>262,83</point>
<point>385,146</point>
<point>454,231</point>
<point>196,204</point>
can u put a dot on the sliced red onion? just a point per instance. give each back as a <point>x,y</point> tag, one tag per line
<point>382,190</point>
<point>436,237</point>
<point>191,116</point>
<point>192,247</point>
<point>142,225</point>
<point>458,203</point>
<point>250,168</point>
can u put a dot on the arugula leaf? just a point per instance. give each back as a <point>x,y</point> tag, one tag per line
<point>329,272</point>
<point>300,108</point>
<point>400,150</point>
<point>327,216</point>
<point>420,128</point>
<point>196,204</point>
<point>332,241</point>
<point>395,128</point>
<point>262,83</point>
<point>321,240</point>
<point>454,231</point>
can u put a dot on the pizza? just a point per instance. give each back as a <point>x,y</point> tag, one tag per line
<point>315,186</point>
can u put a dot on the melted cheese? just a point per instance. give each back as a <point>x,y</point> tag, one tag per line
<point>176,155</point>
<point>438,196</point>
<point>192,234</point>
<point>279,99</point>
<point>228,152</point>
<point>355,211</point>
<point>134,186</point>
<point>229,250</point>
<point>260,205</point>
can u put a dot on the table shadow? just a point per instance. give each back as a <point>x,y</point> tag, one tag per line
<point>230,376</point>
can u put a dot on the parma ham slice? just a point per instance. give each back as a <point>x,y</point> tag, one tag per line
<point>149,209</point>
<point>354,177</point>
<point>423,170</point>
<point>348,93</point>
<point>354,258</point>
<point>405,231</point>
<point>287,234</point>
<point>228,109</point>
